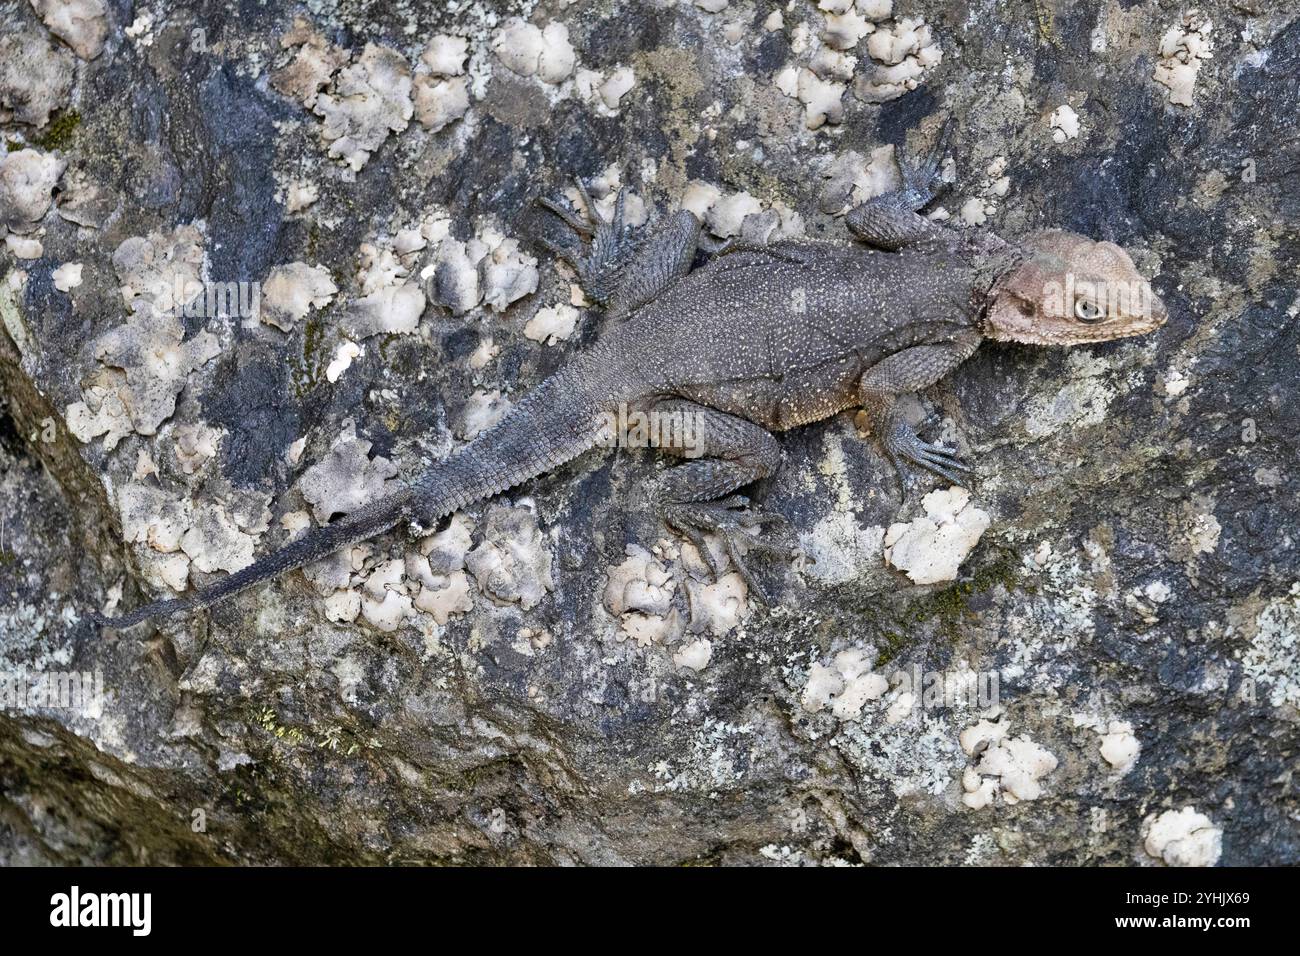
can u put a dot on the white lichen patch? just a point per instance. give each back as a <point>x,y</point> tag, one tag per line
<point>639,592</point>
<point>346,478</point>
<point>640,583</point>
<point>1082,401</point>
<point>1273,656</point>
<point>718,607</point>
<point>67,276</point>
<point>605,91</point>
<point>440,102</point>
<point>931,548</point>
<point>299,195</point>
<point>159,276</point>
<point>385,603</point>
<point>344,355</point>
<point>488,269</point>
<point>901,52</point>
<point>445,596</point>
<point>27,181</point>
<point>343,607</point>
<point>83,202</point>
<point>162,270</point>
<point>81,24</point>
<point>291,291</point>
<point>851,179</point>
<point>528,50</point>
<point>392,310</point>
<point>1201,533</point>
<point>368,100</point>
<point>1182,838</point>
<point>1120,747</point>
<point>739,214</point>
<point>904,51</point>
<point>35,76</point>
<point>440,88</point>
<point>822,97</point>
<point>845,686</point>
<point>445,55</point>
<point>839,549</point>
<point>1007,766</point>
<point>695,655</point>
<point>508,274</point>
<point>483,410</point>
<point>195,445</point>
<point>552,324</point>
<point>439,569</point>
<point>213,536</point>
<point>24,247</point>
<point>152,517</point>
<point>1183,48</point>
<point>215,540</point>
<point>1064,123</point>
<point>512,564</point>
<point>311,68</point>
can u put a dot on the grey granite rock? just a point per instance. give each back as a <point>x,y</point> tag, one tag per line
<point>1139,583</point>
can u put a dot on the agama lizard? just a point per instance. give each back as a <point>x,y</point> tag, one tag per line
<point>756,341</point>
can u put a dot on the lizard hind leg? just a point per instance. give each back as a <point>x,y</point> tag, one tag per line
<point>698,498</point>
<point>610,247</point>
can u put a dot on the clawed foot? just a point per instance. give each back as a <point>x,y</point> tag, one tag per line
<point>732,519</point>
<point>923,181</point>
<point>905,448</point>
<point>600,268</point>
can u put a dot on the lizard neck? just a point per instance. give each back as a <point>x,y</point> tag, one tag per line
<point>993,265</point>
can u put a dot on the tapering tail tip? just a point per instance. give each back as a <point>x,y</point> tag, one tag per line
<point>159,609</point>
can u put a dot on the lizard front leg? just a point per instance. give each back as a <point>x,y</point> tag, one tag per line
<point>891,221</point>
<point>698,498</point>
<point>910,371</point>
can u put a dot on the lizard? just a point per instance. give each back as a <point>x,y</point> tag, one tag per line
<point>758,340</point>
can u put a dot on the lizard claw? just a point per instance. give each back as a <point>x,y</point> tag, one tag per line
<point>904,446</point>
<point>732,520</point>
<point>923,181</point>
<point>600,269</point>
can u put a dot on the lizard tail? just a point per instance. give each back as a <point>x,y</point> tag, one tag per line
<point>555,423</point>
<point>361,524</point>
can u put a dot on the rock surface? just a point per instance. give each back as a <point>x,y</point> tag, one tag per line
<point>1113,677</point>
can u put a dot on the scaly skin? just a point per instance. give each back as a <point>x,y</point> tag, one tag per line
<point>757,341</point>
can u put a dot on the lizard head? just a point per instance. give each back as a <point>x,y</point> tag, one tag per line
<point>1070,290</point>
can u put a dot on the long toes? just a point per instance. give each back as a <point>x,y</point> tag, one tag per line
<point>587,201</point>
<point>695,537</point>
<point>567,253</point>
<point>937,454</point>
<point>948,475</point>
<point>570,218</point>
<point>742,568</point>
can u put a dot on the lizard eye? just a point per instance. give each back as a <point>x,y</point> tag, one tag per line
<point>1087,311</point>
